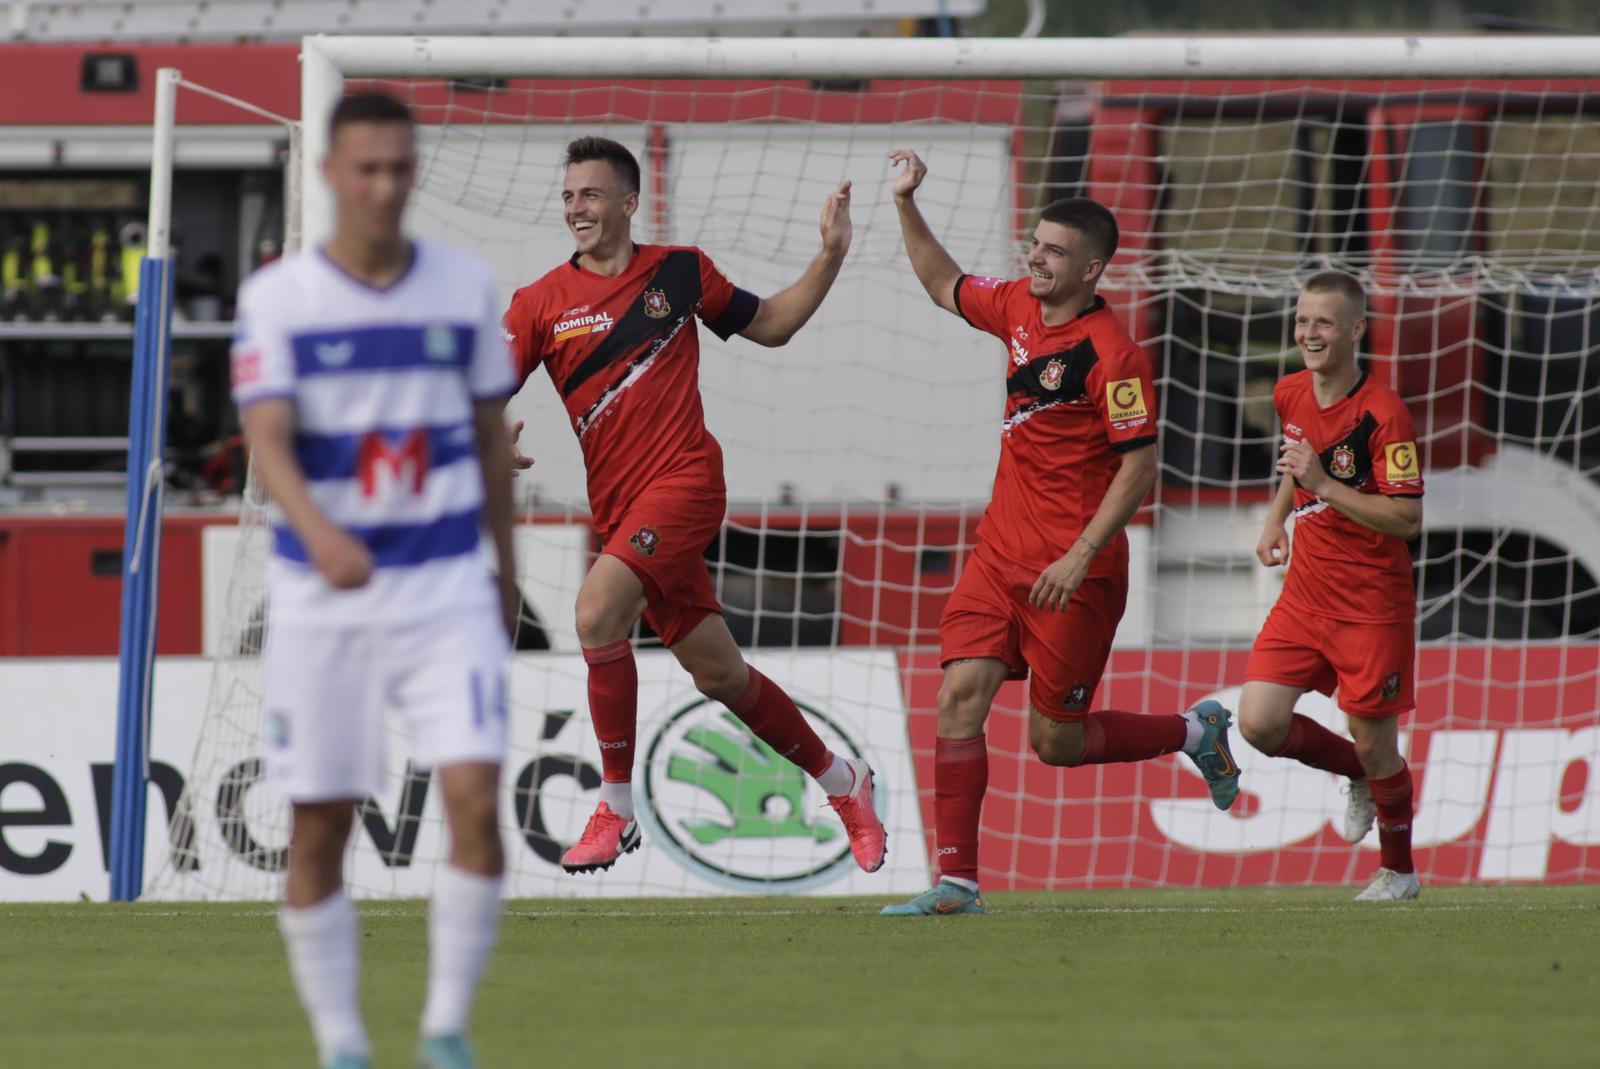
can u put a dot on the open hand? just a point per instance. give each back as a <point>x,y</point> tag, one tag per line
<point>519,463</point>
<point>836,228</point>
<point>1053,589</point>
<point>907,181</point>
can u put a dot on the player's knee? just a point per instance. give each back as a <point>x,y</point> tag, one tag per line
<point>1056,744</point>
<point>598,624</point>
<point>722,682</point>
<point>319,836</point>
<point>479,815</point>
<point>1260,732</point>
<point>1379,755</point>
<point>961,709</point>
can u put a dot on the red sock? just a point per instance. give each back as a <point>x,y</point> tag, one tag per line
<point>1312,744</point>
<point>1111,737</point>
<point>776,720</point>
<point>614,707</point>
<point>960,777</point>
<point>1392,797</point>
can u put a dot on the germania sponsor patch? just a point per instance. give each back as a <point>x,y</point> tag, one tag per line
<point>1401,461</point>
<point>1125,401</point>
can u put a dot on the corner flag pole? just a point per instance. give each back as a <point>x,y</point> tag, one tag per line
<point>141,544</point>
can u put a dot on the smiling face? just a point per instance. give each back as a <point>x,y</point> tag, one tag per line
<point>598,206</point>
<point>1062,263</point>
<point>1327,325</point>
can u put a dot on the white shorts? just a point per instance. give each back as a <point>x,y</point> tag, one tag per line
<point>328,688</point>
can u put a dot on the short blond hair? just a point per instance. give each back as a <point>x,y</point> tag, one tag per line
<point>1341,283</point>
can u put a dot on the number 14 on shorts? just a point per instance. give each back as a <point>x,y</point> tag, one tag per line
<point>488,697</point>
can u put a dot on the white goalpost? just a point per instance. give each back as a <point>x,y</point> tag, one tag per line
<point>1456,176</point>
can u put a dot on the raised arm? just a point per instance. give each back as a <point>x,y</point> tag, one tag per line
<point>937,272</point>
<point>781,316</point>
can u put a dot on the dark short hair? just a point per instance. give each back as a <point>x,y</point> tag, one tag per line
<point>1088,217</point>
<point>370,106</point>
<point>1338,282</point>
<point>616,154</point>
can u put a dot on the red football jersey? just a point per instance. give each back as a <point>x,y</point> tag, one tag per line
<point>624,354</point>
<point>1077,394</point>
<point>1339,568</point>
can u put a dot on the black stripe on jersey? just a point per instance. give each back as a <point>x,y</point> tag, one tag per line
<point>678,277</point>
<point>1357,441</point>
<point>741,311</point>
<point>1028,381</point>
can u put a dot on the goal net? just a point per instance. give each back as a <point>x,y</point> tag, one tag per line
<point>859,457</point>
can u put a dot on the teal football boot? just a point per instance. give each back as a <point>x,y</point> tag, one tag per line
<point>1212,756</point>
<point>941,900</point>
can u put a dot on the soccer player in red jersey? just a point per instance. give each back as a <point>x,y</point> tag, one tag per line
<point>1042,593</point>
<point>614,328</point>
<point>1346,618</point>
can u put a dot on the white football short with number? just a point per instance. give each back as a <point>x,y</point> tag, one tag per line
<point>334,693</point>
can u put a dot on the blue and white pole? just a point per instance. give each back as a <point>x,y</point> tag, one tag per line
<point>141,545</point>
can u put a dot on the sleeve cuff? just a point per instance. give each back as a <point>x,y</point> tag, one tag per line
<point>741,309</point>
<point>261,395</point>
<point>956,296</point>
<point>1133,443</point>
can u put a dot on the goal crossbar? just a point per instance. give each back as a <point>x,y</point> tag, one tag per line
<point>327,60</point>
<point>964,58</point>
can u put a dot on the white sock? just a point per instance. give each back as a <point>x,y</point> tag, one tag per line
<point>839,777</point>
<point>971,885</point>
<point>1193,732</point>
<point>463,919</point>
<point>619,796</point>
<point>324,960</point>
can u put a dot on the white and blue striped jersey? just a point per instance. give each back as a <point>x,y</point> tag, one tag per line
<point>383,384</point>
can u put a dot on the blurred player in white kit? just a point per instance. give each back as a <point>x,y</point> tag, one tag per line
<point>371,377</point>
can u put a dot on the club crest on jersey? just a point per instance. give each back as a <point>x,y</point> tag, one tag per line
<point>645,540</point>
<point>1344,463</point>
<point>655,304</point>
<point>335,354</point>
<point>1391,686</point>
<point>1050,377</point>
<point>439,342</point>
<point>1078,697</point>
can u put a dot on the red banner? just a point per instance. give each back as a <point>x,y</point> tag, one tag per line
<point>1504,745</point>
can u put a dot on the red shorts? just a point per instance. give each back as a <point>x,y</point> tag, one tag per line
<point>663,537</point>
<point>1371,665</point>
<point>1063,654</point>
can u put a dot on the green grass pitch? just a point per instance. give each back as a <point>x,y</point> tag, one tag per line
<point>1463,977</point>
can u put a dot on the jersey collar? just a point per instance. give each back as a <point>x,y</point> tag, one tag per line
<point>576,266</point>
<point>1096,305</point>
<point>411,266</point>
